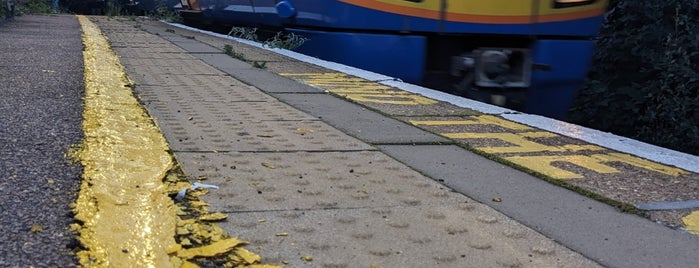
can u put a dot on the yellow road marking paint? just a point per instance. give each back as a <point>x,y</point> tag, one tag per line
<point>542,164</point>
<point>520,143</point>
<point>360,90</point>
<point>691,222</point>
<point>395,99</point>
<point>365,91</point>
<point>640,162</point>
<point>475,120</point>
<point>127,218</point>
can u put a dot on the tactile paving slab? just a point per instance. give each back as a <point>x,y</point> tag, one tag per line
<point>129,53</point>
<point>221,112</point>
<point>358,209</point>
<point>194,81</point>
<point>311,180</point>
<point>233,92</point>
<point>176,66</point>
<point>204,134</point>
<point>458,235</point>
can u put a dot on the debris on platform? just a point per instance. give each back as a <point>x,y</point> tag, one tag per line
<point>200,239</point>
<point>196,185</point>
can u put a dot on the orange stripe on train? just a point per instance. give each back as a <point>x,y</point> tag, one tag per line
<point>474,18</point>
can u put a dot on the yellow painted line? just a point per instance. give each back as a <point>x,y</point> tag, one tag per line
<point>127,219</point>
<point>520,143</point>
<point>542,164</point>
<point>595,162</point>
<point>520,140</point>
<point>394,99</point>
<point>691,222</point>
<point>640,162</point>
<point>475,120</point>
<point>360,90</point>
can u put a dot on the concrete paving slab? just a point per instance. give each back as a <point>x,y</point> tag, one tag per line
<point>457,235</point>
<point>296,67</point>
<point>358,121</point>
<point>175,35</point>
<point>138,53</point>
<point>611,237</point>
<point>165,66</point>
<point>205,134</point>
<point>388,100</point>
<point>225,111</point>
<point>158,78</point>
<point>193,46</point>
<point>311,180</point>
<point>223,62</point>
<point>162,95</point>
<point>263,79</point>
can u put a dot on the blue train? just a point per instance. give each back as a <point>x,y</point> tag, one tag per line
<point>531,55</point>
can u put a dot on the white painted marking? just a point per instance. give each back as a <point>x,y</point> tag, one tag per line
<point>608,140</point>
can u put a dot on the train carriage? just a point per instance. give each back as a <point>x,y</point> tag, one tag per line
<point>531,55</point>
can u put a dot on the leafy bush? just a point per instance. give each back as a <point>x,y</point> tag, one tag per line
<point>644,82</point>
<point>33,6</point>
<point>3,11</point>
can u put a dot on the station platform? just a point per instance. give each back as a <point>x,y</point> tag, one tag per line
<point>313,164</point>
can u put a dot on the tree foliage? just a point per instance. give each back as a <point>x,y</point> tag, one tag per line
<point>644,82</point>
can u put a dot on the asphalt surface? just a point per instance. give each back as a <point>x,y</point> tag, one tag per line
<point>41,85</point>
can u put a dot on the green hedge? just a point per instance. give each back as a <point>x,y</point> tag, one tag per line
<point>644,81</point>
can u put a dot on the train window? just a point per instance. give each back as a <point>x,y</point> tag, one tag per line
<point>571,3</point>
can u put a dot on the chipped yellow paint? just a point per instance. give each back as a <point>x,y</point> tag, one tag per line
<point>247,256</point>
<point>691,222</point>
<point>214,249</point>
<point>218,216</point>
<point>360,90</point>
<point>127,219</point>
